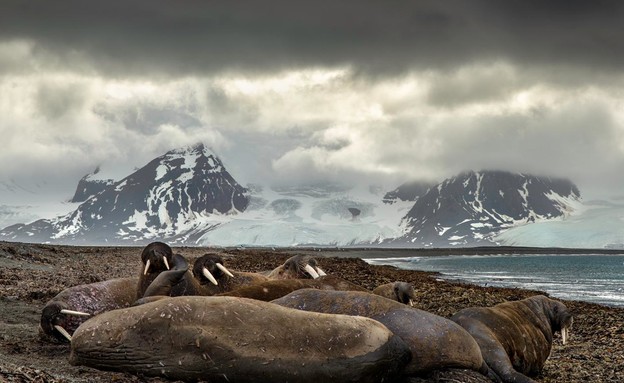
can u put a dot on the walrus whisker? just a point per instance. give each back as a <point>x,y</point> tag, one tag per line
<point>311,271</point>
<point>166,263</point>
<point>63,332</point>
<point>225,270</point>
<point>209,276</point>
<point>147,265</point>
<point>76,313</point>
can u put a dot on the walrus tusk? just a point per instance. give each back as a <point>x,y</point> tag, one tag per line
<point>63,332</point>
<point>166,263</point>
<point>411,302</point>
<point>320,272</point>
<point>564,335</point>
<point>209,276</point>
<point>220,266</point>
<point>147,264</point>
<point>76,313</point>
<point>311,271</point>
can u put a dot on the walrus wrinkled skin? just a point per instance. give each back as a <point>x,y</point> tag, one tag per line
<point>230,339</point>
<point>516,337</point>
<point>59,319</point>
<point>297,267</point>
<point>434,342</point>
<point>156,257</point>
<point>277,288</point>
<point>401,292</point>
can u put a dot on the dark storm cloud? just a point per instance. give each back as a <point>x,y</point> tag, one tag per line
<point>175,38</point>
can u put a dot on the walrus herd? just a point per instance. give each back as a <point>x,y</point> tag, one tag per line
<point>294,323</point>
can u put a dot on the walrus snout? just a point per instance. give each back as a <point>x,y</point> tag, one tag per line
<point>297,267</point>
<point>210,267</point>
<point>156,257</point>
<point>56,318</point>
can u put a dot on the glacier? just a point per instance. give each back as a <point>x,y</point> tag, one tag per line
<point>310,216</point>
<point>592,225</point>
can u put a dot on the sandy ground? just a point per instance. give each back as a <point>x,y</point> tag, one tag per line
<point>30,275</point>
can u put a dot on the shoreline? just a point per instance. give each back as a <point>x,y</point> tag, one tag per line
<point>32,274</point>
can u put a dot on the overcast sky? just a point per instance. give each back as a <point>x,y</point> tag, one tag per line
<point>291,91</point>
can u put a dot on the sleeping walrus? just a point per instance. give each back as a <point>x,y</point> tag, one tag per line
<point>435,342</point>
<point>228,339</point>
<point>516,337</point>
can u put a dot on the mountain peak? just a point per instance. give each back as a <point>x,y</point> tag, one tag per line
<point>472,207</point>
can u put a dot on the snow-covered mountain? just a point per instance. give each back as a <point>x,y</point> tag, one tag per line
<point>187,197</point>
<point>90,185</point>
<point>474,207</point>
<point>171,197</point>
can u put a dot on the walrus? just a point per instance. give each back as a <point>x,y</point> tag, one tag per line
<point>156,257</point>
<point>297,267</point>
<point>229,339</point>
<point>277,288</point>
<point>209,277</point>
<point>435,342</point>
<point>210,271</point>
<point>174,282</point>
<point>402,292</point>
<point>71,307</point>
<point>516,337</point>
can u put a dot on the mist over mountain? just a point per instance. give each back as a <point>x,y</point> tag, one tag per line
<point>187,196</point>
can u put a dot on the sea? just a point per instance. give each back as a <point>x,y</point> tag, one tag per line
<point>592,278</point>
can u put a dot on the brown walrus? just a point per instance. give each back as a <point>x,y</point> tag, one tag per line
<point>209,277</point>
<point>209,270</point>
<point>516,337</point>
<point>156,257</point>
<point>435,342</point>
<point>402,292</point>
<point>62,315</point>
<point>297,267</point>
<point>277,288</point>
<point>229,339</point>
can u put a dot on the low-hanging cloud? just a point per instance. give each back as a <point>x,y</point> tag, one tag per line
<point>326,91</point>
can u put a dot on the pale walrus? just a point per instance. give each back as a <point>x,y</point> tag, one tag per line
<point>229,339</point>
<point>71,307</point>
<point>435,342</point>
<point>277,288</point>
<point>516,337</point>
<point>402,292</point>
<point>156,257</point>
<point>297,267</point>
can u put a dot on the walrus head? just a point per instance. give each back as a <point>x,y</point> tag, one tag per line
<point>157,256</point>
<point>297,267</point>
<point>209,268</point>
<point>558,315</point>
<point>57,320</point>
<point>404,293</point>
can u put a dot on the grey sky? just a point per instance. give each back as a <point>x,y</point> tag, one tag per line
<point>292,91</point>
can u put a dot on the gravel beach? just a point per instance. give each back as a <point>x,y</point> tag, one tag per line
<point>32,274</point>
